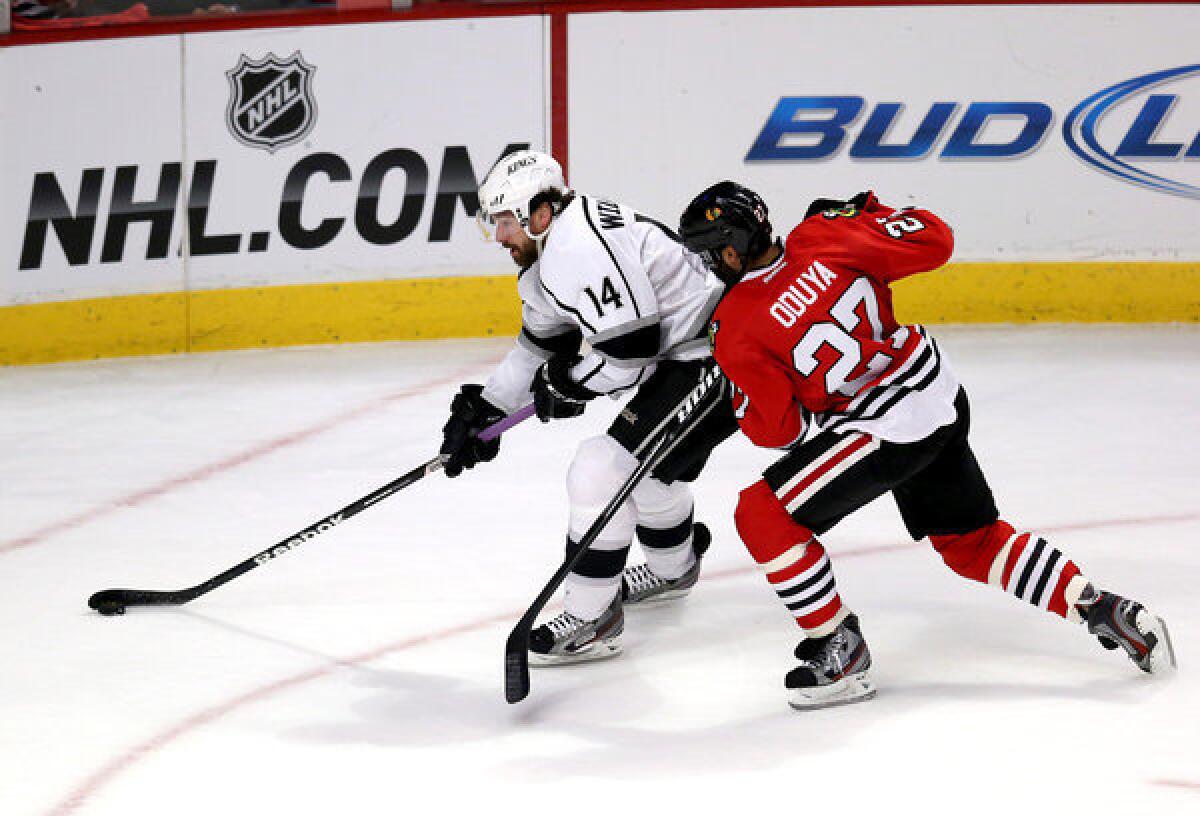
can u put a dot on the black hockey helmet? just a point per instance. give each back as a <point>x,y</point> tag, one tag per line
<point>726,214</point>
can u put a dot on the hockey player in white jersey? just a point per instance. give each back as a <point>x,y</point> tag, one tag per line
<point>598,271</point>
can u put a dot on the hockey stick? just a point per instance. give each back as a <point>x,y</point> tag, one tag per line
<point>516,649</point>
<point>114,601</point>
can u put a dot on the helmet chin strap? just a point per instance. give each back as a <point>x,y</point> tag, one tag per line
<point>539,240</point>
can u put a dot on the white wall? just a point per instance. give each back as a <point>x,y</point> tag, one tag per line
<point>75,107</point>
<point>396,97</point>
<point>663,104</point>
<point>419,88</point>
<point>660,105</point>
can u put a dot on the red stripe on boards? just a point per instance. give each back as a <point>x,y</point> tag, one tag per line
<point>559,132</point>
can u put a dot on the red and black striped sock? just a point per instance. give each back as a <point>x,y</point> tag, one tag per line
<point>1020,563</point>
<point>795,563</point>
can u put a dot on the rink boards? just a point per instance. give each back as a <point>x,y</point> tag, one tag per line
<point>281,186</point>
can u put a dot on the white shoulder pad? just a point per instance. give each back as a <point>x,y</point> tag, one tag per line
<point>592,267</point>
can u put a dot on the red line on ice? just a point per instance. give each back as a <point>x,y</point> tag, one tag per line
<point>1177,783</point>
<point>123,762</point>
<point>214,468</point>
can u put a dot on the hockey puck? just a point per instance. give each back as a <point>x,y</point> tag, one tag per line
<point>110,608</point>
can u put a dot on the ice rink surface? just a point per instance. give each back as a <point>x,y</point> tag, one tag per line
<point>361,673</point>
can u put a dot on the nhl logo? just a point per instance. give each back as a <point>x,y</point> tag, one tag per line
<point>271,103</point>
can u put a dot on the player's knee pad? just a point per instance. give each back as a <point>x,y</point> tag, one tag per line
<point>661,505</point>
<point>971,554</point>
<point>764,524</point>
<point>598,470</point>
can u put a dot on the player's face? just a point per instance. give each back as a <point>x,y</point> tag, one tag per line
<point>520,246</point>
<point>725,263</point>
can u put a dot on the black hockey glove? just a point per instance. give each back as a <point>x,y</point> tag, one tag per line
<point>859,202</point>
<point>555,394</point>
<point>470,413</point>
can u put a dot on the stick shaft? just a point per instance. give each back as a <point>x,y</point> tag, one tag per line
<point>516,648</point>
<point>518,416</point>
<point>137,597</point>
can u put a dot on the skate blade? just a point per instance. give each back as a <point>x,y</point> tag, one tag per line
<point>597,651</point>
<point>1162,656</point>
<point>852,689</point>
<point>669,595</point>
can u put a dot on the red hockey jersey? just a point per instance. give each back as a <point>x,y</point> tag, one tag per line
<point>813,335</point>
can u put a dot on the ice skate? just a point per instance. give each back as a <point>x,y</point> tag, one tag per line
<point>832,670</point>
<point>1118,621</point>
<point>639,585</point>
<point>567,639</point>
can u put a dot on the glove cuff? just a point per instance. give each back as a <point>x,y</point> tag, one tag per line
<point>558,379</point>
<point>477,407</point>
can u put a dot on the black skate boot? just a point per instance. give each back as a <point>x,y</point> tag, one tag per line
<point>832,670</point>
<point>567,639</point>
<point>1118,621</point>
<point>639,585</point>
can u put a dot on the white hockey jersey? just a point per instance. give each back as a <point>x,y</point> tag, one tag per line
<point>622,282</point>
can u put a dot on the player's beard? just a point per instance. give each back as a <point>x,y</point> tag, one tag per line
<point>524,256</point>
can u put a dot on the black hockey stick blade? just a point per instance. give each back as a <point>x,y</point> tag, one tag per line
<point>516,649</point>
<point>516,666</point>
<point>114,601</point>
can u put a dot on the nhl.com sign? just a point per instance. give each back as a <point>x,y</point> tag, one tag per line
<point>271,103</point>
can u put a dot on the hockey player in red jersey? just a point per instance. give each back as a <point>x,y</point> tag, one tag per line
<point>863,405</point>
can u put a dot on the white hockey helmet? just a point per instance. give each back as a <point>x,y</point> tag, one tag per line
<point>513,183</point>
